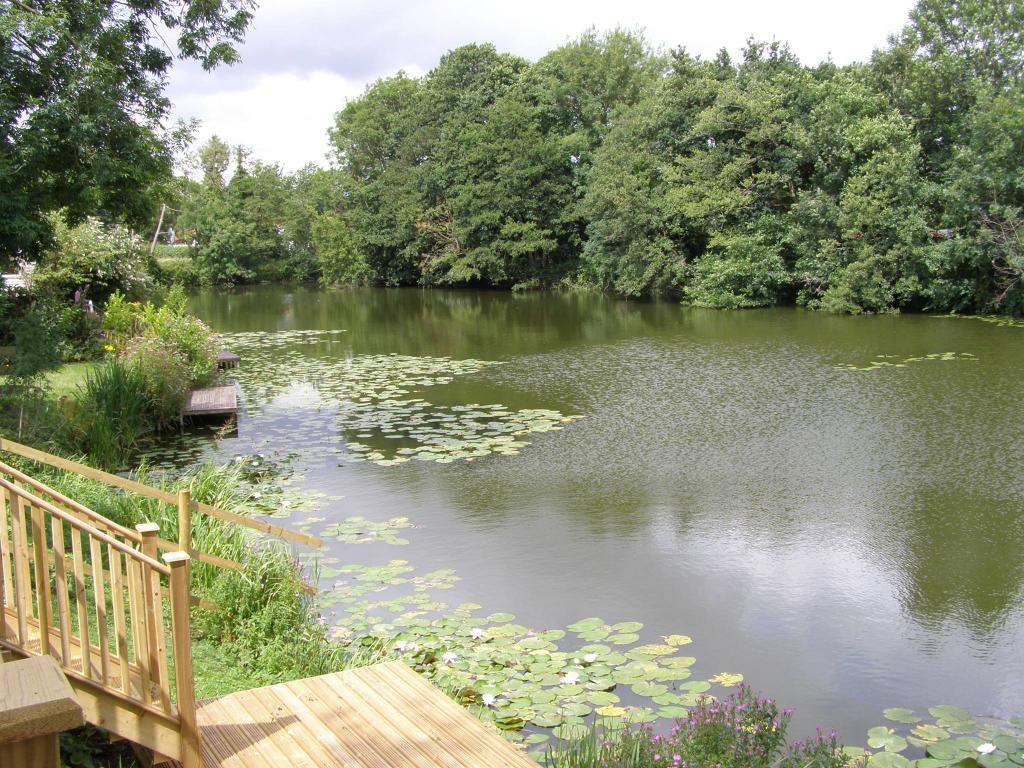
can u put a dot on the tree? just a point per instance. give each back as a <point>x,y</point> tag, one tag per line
<point>82,104</point>
<point>214,158</point>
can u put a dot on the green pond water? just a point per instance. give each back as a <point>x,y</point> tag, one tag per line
<point>847,538</point>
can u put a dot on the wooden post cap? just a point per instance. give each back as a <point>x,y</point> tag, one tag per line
<point>147,528</point>
<point>173,558</point>
<point>36,700</point>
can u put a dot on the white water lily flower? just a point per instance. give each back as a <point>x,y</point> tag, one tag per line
<point>489,699</point>
<point>257,495</point>
<point>986,748</point>
<point>476,633</point>
<point>590,658</point>
<point>449,656</point>
<point>570,678</point>
<point>401,645</point>
<point>412,647</point>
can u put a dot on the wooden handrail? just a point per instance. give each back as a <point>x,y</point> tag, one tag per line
<point>81,525</point>
<point>127,533</point>
<point>21,477</point>
<point>155,493</point>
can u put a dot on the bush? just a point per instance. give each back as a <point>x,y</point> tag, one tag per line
<point>177,269</point>
<point>95,259</point>
<point>112,413</point>
<point>820,752</point>
<point>265,617</point>
<point>75,333</point>
<point>737,271</point>
<point>165,373</point>
<point>743,731</point>
<point>122,320</point>
<point>190,335</point>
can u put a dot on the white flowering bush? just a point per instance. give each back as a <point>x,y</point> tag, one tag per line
<point>95,259</point>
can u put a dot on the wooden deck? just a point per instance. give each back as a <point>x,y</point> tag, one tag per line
<point>214,401</point>
<point>383,716</point>
<point>226,359</point>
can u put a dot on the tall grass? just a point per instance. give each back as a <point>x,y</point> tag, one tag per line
<point>112,413</point>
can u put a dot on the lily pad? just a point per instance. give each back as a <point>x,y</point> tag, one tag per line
<point>901,715</point>
<point>887,739</point>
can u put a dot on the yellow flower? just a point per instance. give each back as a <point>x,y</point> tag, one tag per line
<point>108,347</point>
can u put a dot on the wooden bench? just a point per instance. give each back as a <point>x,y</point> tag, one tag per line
<point>36,704</point>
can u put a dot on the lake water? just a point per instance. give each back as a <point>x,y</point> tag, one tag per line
<point>849,540</point>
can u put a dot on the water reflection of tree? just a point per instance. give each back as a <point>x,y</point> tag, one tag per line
<point>438,322</point>
<point>962,560</point>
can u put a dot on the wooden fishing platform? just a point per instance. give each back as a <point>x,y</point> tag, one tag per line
<point>382,716</point>
<point>213,401</point>
<point>226,359</point>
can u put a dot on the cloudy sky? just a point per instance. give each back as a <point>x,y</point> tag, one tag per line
<point>303,59</point>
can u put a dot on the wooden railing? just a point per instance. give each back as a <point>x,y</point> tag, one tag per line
<point>125,483</point>
<point>92,593</point>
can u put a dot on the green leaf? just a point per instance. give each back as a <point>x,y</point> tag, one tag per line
<point>886,738</point>
<point>888,760</point>
<point>901,715</point>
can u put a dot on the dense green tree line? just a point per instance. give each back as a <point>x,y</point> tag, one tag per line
<point>894,184</point>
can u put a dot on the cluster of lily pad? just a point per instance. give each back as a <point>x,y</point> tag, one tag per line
<point>533,685</point>
<point>368,399</point>
<point>894,361</point>
<point>359,530</point>
<point>950,736</point>
<point>1004,321</point>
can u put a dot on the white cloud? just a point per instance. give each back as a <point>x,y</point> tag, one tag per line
<point>283,118</point>
<point>303,58</point>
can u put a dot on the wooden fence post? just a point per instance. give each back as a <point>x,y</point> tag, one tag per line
<point>191,747</point>
<point>185,520</point>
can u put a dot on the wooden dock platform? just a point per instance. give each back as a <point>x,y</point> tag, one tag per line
<point>226,359</point>
<point>382,716</point>
<point>214,401</point>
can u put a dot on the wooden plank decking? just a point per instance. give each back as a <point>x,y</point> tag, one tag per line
<point>213,401</point>
<point>382,716</point>
<point>226,359</point>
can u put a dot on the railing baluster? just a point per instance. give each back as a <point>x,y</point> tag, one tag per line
<point>6,550</point>
<point>155,615</point>
<point>140,633</point>
<point>78,569</point>
<point>120,631</point>
<point>20,566</point>
<point>61,577</point>
<point>99,594</point>
<point>42,573</point>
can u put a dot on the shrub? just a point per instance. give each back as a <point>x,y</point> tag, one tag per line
<point>75,333</point>
<point>820,752</point>
<point>737,271</point>
<point>743,731</point>
<point>112,413</point>
<point>190,335</point>
<point>165,373</point>
<point>94,258</point>
<point>266,617</point>
<point>176,269</point>
<point>122,320</point>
